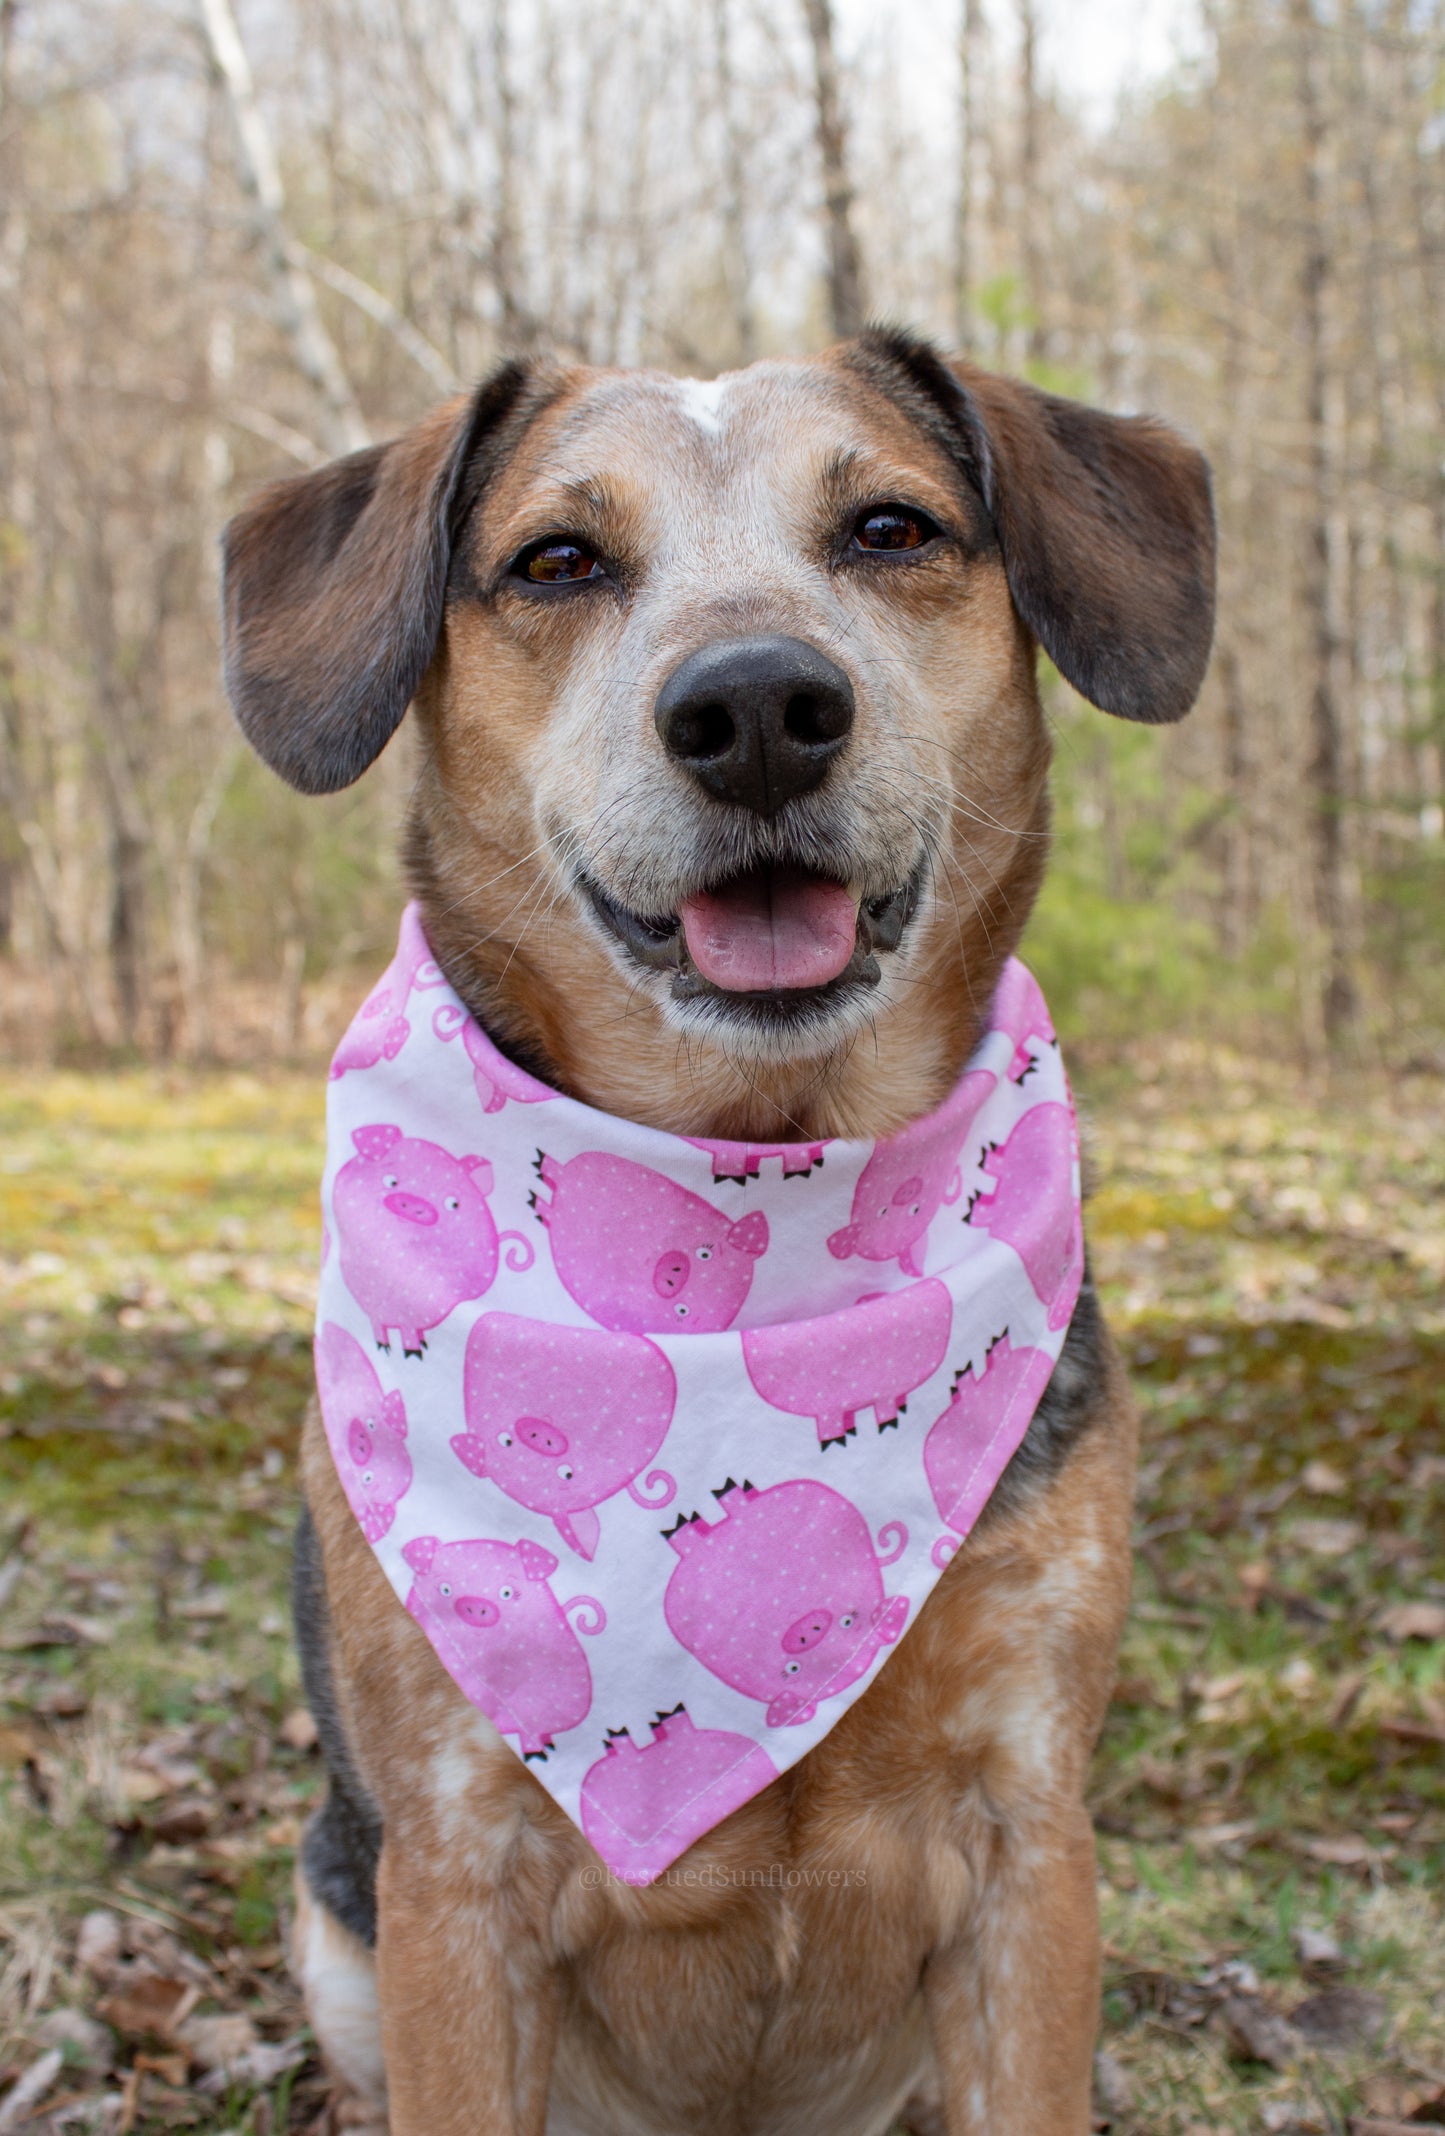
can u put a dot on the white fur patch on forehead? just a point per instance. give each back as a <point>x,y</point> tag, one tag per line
<point>702,399</point>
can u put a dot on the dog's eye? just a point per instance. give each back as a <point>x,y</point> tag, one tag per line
<point>558,561</point>
<point>892,526</point>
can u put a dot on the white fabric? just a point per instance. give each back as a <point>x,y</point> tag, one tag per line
<point>664,1442</point>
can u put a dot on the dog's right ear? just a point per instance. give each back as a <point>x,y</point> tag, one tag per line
<point>333,584</point>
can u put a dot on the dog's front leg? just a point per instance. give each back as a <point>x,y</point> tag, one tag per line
<point>1013,2003</point>
<point>468,2021</point>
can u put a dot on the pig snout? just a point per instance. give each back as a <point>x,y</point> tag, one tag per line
<point>671,1273</point>
<point>476,1610</point>
<point>358,1441</point>
<point>807,1632</point>
<point>414,1207</point>
<point>910,1190</point>
<point>541,1436</point>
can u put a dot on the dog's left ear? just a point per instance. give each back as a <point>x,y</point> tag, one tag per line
<point>1105,524</point>
<point>334,583</point>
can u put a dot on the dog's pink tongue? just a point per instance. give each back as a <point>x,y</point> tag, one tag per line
<point>771,930</point>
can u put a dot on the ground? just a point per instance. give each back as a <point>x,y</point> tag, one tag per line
<point>1270,1790</point>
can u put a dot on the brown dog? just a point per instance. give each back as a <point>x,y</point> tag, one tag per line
<point>664,639</point>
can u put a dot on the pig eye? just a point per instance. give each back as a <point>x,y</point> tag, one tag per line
<point>504,1438</point>
<point>791,1668</point>
<point>451,1202</point>
<point>681,1310</point>
<point>847,1623</point>
<point>445,1589</point>
<point>564,1472</point>
<point>915,1209</point>
<point>704,1253</point>
<point>367,1477</point>
<point>388,1179</point>
<point>884,1210</point>
<point>509,1594</point>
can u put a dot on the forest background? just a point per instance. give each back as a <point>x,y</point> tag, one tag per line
<point>240,236</point>
<point>232,245</point>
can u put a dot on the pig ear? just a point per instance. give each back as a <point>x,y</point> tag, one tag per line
<point>393,1408</point>
<point>334,584</point>
<point>750,1234</point>
<point>537,1563</point>
<point>375,1141</point>
<point>471,1451</point>
<point>842,1243</point>
<point>1105,523</point>
<point>481,1173</point>
<point>420,1552</point>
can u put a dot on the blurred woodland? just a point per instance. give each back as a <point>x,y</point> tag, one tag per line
<point>238,239</point>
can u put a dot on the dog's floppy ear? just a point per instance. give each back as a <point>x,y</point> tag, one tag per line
<point>333,586</point>
<point>1105,524</point>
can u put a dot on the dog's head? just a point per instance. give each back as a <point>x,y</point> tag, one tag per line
<point>726,692</point>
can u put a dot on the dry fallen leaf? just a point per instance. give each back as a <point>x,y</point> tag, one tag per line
<point>1326,1538</point>
<point>19,2103</point>
<point>1413,1620</point>
<point>99,1941</point>
<point>150,2006</point>
<point>217,2042</point>
<point>298,1730</point>
<point>1344,1850</point>
<point>1258,2034</point>
<point>1317,1947</point>
<point>1338,2019</point>
<point>1322,1481</point>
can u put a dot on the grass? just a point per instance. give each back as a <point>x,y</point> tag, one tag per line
<point>1270,1790</point>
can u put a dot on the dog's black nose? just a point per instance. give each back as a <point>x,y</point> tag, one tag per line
<point>756,720</point>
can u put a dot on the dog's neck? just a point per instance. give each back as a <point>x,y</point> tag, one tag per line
<point>534,974</point>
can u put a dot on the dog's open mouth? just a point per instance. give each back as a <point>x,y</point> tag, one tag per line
<point>773,933</point>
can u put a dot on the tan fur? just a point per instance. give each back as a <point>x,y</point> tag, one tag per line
<point>906,1918</point>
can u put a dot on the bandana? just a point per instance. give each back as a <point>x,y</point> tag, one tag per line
<point>663,1442</point>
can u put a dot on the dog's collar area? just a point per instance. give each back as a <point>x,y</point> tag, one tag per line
<point>663,1442</point>
<point>659,943</point>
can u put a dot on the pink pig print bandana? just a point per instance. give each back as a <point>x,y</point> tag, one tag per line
<point>664,1441</point>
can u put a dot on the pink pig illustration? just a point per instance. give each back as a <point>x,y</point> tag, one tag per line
<point>1032,1205</point>
<point>644,1804</point>
<point>366,1431</point>
<point>781,1596</point>
<point>380,1027</point>
<point>415,1233</point>
<point>744,1160</point>
<point>503,1634</point>
<point>496,1078</point>
<point>642,1254</point>
<point>955,1453</point>
<point>1019,1009</point>
<point>907,1180</point>
<point>562,1418</point>
<point>870,1356</point>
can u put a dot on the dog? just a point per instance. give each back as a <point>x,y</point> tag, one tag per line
<point>673,648</point>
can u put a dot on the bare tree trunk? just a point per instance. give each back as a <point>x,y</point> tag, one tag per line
<point>965,227</point>
<point>736,262</point>
<point>1031,206</point>
<point>1329,760</point>
<point>300,315</point>
<point>518,329</point>
<point>845,271</point>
